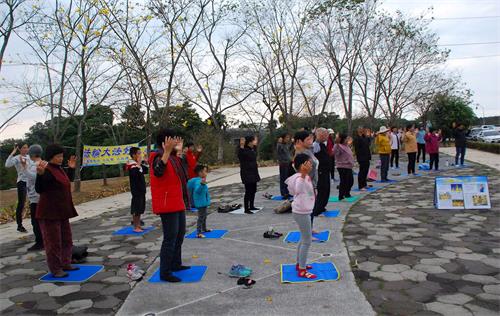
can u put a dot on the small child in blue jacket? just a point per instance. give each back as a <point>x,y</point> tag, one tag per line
<point>200,198</point>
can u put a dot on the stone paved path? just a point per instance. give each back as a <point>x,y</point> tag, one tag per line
<point>416,260</point>
<point>22,293</point>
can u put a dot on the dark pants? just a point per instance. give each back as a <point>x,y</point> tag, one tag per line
<point>58,243</point>
<point>323,189</point>
<point>395,157</point>
<point>201,224</point>
<point>434,160</point>
<point>36,226</point>
<point>364,167</point>
<point>21,201</point>
<point>384,166</point>
<point>333,168</point>
<point>284,174</point>
<point>411,162</point>
<point>421,149</point>
<point>248,200</point>
<point>174,228</point>
<point>461,153</point>
<point>346,182</point>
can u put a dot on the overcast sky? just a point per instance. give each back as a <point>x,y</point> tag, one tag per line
<point>457,22</point>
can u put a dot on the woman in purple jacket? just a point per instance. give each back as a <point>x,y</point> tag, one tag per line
<point>432,140</point>
<point>344,161</point>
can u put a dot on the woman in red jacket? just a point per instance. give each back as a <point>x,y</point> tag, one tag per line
<point>170,199</point>
<point>55,208</point>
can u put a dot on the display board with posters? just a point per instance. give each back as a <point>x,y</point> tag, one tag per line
<point>107,155</point>
<point>462,192</point>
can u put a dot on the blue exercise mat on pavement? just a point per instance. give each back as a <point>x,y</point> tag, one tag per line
<point>277,198</point>
<point>193,209</point>
<point>294,237</point>
<point>414,175</point>
<point>129,230</point>
<point>214,234</point>
<point>326,271</point>
<point>372,189</point>
<point>332,213</point>
<point>82,275</point>
<point>390,181</point>
<point>351,199</point>
<point>191,275</point>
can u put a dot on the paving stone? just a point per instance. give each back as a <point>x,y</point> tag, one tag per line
<point>23,272</point>
<point>5,303</point>
<point>397,268</point>
<point>116,279</point>
<point>75,307</point>
<point>64,290</point>
<point>387,276</point>
<point>14,292</point>
<point>447,309</point>
<point>474,267</point>
<point>458,249</point>
<point>483,279</point>
<point>494,262</point>
<point>404,249</point>
<point>445,254</point>
<point>109,302</point>
<point>471,256</point>
<point>435,261</point>
<point>492,289</point>
<point>113,289</point>
<point>480,311</point>
<point>414,275</point>
<point>489,297</point>
<point>429,268</point>
<point>398,285</point>
<point>456,299</point>
<point>44,288</point>
<point>403,307</point>
<point>421,294</point>
<point>369,266</point>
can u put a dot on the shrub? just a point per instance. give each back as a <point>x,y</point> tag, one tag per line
<point>489,147</point>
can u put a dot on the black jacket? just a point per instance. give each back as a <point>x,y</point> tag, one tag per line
<point>362,148</point>
<point>137,181</point>
<point>459,135</point>
<point>249,170</point>
<point>324,160</point>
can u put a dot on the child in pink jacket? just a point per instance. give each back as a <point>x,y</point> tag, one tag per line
<point>301,187</point>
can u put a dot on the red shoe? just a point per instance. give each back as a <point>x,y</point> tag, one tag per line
<point>304,274</point>
<point>308,267</point>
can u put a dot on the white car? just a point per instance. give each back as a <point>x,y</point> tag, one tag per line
<point>489,136</point>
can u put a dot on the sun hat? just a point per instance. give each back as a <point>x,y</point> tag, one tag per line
<point>382,129</point>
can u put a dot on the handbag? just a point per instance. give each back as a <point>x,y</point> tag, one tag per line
<point>372,174</point>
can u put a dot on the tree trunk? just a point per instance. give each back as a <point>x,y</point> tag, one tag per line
<point>122,172</point>
<point>104,178</point>
<point>220,148</point>
<point>78,150</point>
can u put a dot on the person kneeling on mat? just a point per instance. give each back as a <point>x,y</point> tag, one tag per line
<point>55,208</point>
<point>301,187</point>
<point>170,199</point>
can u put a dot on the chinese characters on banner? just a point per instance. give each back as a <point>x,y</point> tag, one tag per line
<point>107,155</point>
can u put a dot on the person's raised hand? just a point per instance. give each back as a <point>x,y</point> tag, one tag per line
<point>40,167</point>
<point>169,144</point>
<point>23,161</point>
<point>280,140</point>
<point>349,141</point>
<point>72,162</point>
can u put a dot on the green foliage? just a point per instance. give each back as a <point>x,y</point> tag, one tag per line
<point>179,117</point>
<point>208,138</point>
<point>447,109</point>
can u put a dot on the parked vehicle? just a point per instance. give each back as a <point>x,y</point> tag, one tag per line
<point>489,136</point>
<point>473,133</point>
<point>488,127</point>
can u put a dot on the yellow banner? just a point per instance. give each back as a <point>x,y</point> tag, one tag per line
<point>107,155</point>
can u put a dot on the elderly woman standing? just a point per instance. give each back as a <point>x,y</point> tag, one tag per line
<point>55,208</point>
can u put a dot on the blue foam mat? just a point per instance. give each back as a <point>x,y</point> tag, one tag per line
<point>191,275</point>
<point>294,237</point>
<point>335,199</point>
<point>326,271</point>
<point>390,181</point>
<point>214,234</point>
<point>332,213</point>
<point>78,276</point>
<point>372,189</point>
<point>193,209</point>
<point>129,230</point>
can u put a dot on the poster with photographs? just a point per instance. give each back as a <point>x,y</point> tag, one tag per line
<point>462,193</point>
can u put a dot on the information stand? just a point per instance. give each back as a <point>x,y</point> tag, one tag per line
<point>462,192</point>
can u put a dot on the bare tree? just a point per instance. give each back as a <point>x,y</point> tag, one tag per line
<point>13,15</point>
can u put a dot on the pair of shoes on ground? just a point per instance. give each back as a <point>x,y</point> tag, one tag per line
<point>240,271</point>
<point>172,278</point>
<point>228,208</point>
<point>271,234</point>
<point>134,272</point>
<point>246,282</point>
<point>249,211</point>
<point>303,273</point>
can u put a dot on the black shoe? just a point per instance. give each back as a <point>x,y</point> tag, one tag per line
<point>348,196</point>
<point>254,209</point>
<point>248,212</point>
<point>21,229</point>
<point>181,268</point>
<point>36,247</point>
<point>170,278</point>
<point>270,235</point>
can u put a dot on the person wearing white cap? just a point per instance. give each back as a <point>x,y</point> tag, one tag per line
<point>384,150</point>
